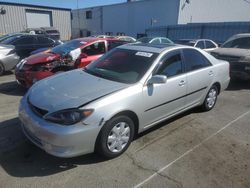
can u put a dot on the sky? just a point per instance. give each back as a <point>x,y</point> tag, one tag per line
<point>67,3</point>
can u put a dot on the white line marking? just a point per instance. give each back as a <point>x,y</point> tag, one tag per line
<point>189,151</point>
<point>7,81</point>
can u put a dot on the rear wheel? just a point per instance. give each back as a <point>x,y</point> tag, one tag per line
<point>115,137</point>
<point>1,69</point>
<point>210,99</point>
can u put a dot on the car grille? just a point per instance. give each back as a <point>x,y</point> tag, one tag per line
<point>38,111</point>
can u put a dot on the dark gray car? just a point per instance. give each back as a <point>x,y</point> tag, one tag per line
<point>236,50</point>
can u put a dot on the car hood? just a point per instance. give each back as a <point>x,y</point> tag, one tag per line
<point>232,52</point>
<point>4,49</point>
<point>42,57</point>
<point>70,90</point>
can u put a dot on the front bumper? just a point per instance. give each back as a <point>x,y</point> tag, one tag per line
<point>28,78</point>
<point>57,140</point>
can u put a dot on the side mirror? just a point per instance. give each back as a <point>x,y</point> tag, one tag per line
<point>157,79</point>
<point>83,55</point>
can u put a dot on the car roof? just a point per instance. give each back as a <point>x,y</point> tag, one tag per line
<point>93,39</point>
<point>243,34</point>
<point>155,48</point>
<point>188,40</point>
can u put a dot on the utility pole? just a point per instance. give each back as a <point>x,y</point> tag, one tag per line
<point>78,17</point>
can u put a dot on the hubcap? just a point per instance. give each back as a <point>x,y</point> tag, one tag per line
<point>211,98</point>
<point>118,137</point>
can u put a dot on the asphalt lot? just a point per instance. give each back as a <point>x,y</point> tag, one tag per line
<point>195,149</point>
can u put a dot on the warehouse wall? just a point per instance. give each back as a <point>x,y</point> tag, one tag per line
<point>204,11</point>
<point>134,17</point>
<point>93,25</point>
<point>15,20</point>
<point>128,18</point>
<point>219,32</point>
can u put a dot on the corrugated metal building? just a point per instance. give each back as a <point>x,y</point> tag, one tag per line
<point>216,19</point>
<point>16,17</point>
<point>219,32</point>
<point>205,11</point>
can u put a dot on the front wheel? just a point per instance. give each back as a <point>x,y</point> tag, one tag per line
<point>115,137</point>
<point>210,99</point>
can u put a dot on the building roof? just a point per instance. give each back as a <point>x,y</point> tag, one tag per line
<point>35,6</point>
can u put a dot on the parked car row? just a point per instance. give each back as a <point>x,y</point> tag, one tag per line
<point>76,53</point>
<point>18,46</point>
<point>100,106</point>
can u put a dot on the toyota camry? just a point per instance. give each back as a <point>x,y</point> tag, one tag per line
<point>128,90</point>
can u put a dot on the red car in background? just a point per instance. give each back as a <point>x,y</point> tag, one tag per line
<point>59,59</point>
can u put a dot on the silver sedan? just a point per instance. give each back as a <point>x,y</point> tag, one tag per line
<point>130,89</point>
<point>8,58</point>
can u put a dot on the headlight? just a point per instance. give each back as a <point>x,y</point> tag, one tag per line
<point>44,66</point>
<point>21,63</point>
<point>69,117</point>
<point>245,59</point>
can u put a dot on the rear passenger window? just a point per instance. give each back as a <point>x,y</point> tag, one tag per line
<point>200,45</point>
<point>194,60</point>
<point>209,44</point>
<point>172,66</point>
<point>156,41</point>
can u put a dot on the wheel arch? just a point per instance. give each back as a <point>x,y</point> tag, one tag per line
<point>131,115</point>
<point>128,113</point>
<point>218,85</point>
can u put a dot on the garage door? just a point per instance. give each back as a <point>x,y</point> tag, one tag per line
<point>37,19</point>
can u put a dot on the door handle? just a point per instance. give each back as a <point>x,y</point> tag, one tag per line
<point>210,73</point>
<point>182,83</point>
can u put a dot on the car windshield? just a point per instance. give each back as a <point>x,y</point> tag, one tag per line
<point>67,47</point>
<point>122,65</point>
<point>243,43</point>
<point>145,39</point>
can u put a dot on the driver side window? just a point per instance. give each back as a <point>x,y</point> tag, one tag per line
<point>97,48</point>
<point>172,66</point>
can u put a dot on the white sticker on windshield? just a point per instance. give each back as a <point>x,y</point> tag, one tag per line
<point>144,54</point>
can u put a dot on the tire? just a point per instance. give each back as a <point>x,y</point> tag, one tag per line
<point>210,99</point>
<point>2,70</point>
<point>115,137</point>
